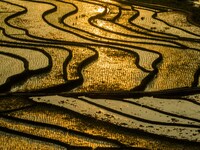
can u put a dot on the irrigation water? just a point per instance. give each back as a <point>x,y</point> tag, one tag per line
<point>99,73</point>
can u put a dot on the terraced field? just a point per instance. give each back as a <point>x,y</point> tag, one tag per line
<point>98,73</point>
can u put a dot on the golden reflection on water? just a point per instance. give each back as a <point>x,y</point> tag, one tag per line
<point>100,10</point>
<point>111,28</point>
<point>113,70</point>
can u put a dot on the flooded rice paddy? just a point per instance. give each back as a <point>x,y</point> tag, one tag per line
<point>98,73</point>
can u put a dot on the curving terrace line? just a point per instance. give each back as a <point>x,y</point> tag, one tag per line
<point>151,51</point>
<point>155,72</point>
<point>12,78</point>
<point>34,137</point>
<point>28,37</point>
<point>190,125</point>
<point>76,11</point>
<point>94,138</point>
<point>169,29</point>
<point>121,115</point>
<point>166,9</point>
<point>142,32</point>
<point>79,30</point>
<point>134,31</point>
<point>143,29</point>
<point>137,60</point>
<point>160,109</point>
<point>34,38</point>
<point>38,59</point>
<point>55,41</point>
<point>28,65</point>
<point>126,37</point>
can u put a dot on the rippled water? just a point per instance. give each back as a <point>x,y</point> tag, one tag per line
<point>129,64</point>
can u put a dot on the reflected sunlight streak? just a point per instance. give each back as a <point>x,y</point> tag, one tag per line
<point>101,10</point>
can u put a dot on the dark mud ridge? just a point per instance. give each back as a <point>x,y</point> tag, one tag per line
<point>95,73</point>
